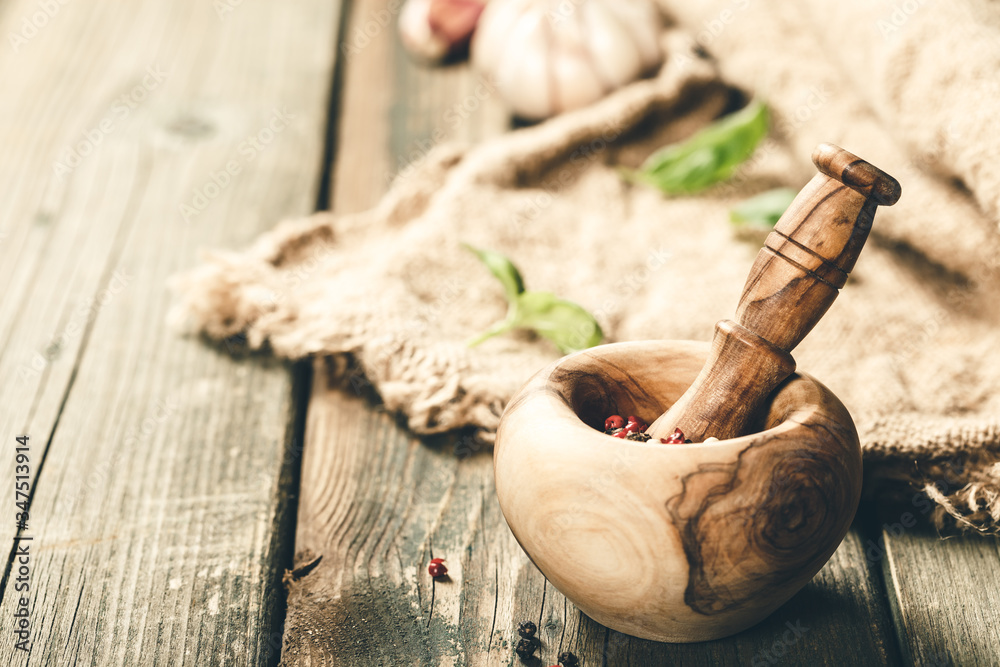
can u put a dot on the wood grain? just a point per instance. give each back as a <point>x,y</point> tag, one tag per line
<point>376,503</point>
<point>839,618</point>
<point>160,510</point>
<point>707,539</point>
<point>944,593</point>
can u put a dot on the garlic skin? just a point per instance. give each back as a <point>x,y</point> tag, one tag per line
<point>416,34</point>
<point>550,56</point>
<point>432,30</point>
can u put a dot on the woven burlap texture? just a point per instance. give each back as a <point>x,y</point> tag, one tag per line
<point>910,346</point>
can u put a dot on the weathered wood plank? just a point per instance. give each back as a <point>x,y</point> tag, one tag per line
<point>377,504</point>
<point>344,512</point>
<point>944,593</point>
<point>158,515</point>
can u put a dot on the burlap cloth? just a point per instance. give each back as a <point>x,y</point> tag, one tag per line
<point>911,345</point>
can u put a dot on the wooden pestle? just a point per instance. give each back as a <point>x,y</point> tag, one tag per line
<point>794,280</point>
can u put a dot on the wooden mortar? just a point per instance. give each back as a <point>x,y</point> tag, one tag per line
<point>693,542</point>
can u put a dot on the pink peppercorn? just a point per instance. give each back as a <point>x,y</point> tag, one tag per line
<point>436,568</point>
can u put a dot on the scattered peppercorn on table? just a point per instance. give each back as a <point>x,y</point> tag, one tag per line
<point>191,506</point>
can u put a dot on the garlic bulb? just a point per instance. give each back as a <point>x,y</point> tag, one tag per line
<point>549,56</point>
<point>432,30</point>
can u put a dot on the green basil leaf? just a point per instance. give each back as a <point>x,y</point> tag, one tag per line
<point>708,157</point>
<point>563,322</point>
<point>764,209</point>
<point>503,269</point>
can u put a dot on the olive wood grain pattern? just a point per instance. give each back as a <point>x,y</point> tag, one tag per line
<point>706,539</point>
<point>793,282</point>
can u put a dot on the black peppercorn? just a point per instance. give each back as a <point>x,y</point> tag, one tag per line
<point>640,437</point>
<point>526,648</point>
<point>527,629</point>
<point>567,659</point>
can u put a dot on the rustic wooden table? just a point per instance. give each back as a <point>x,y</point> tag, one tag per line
<point>172,484</point>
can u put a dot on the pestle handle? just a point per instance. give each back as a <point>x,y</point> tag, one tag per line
<point>807,258</point>
<point>792,283</point>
